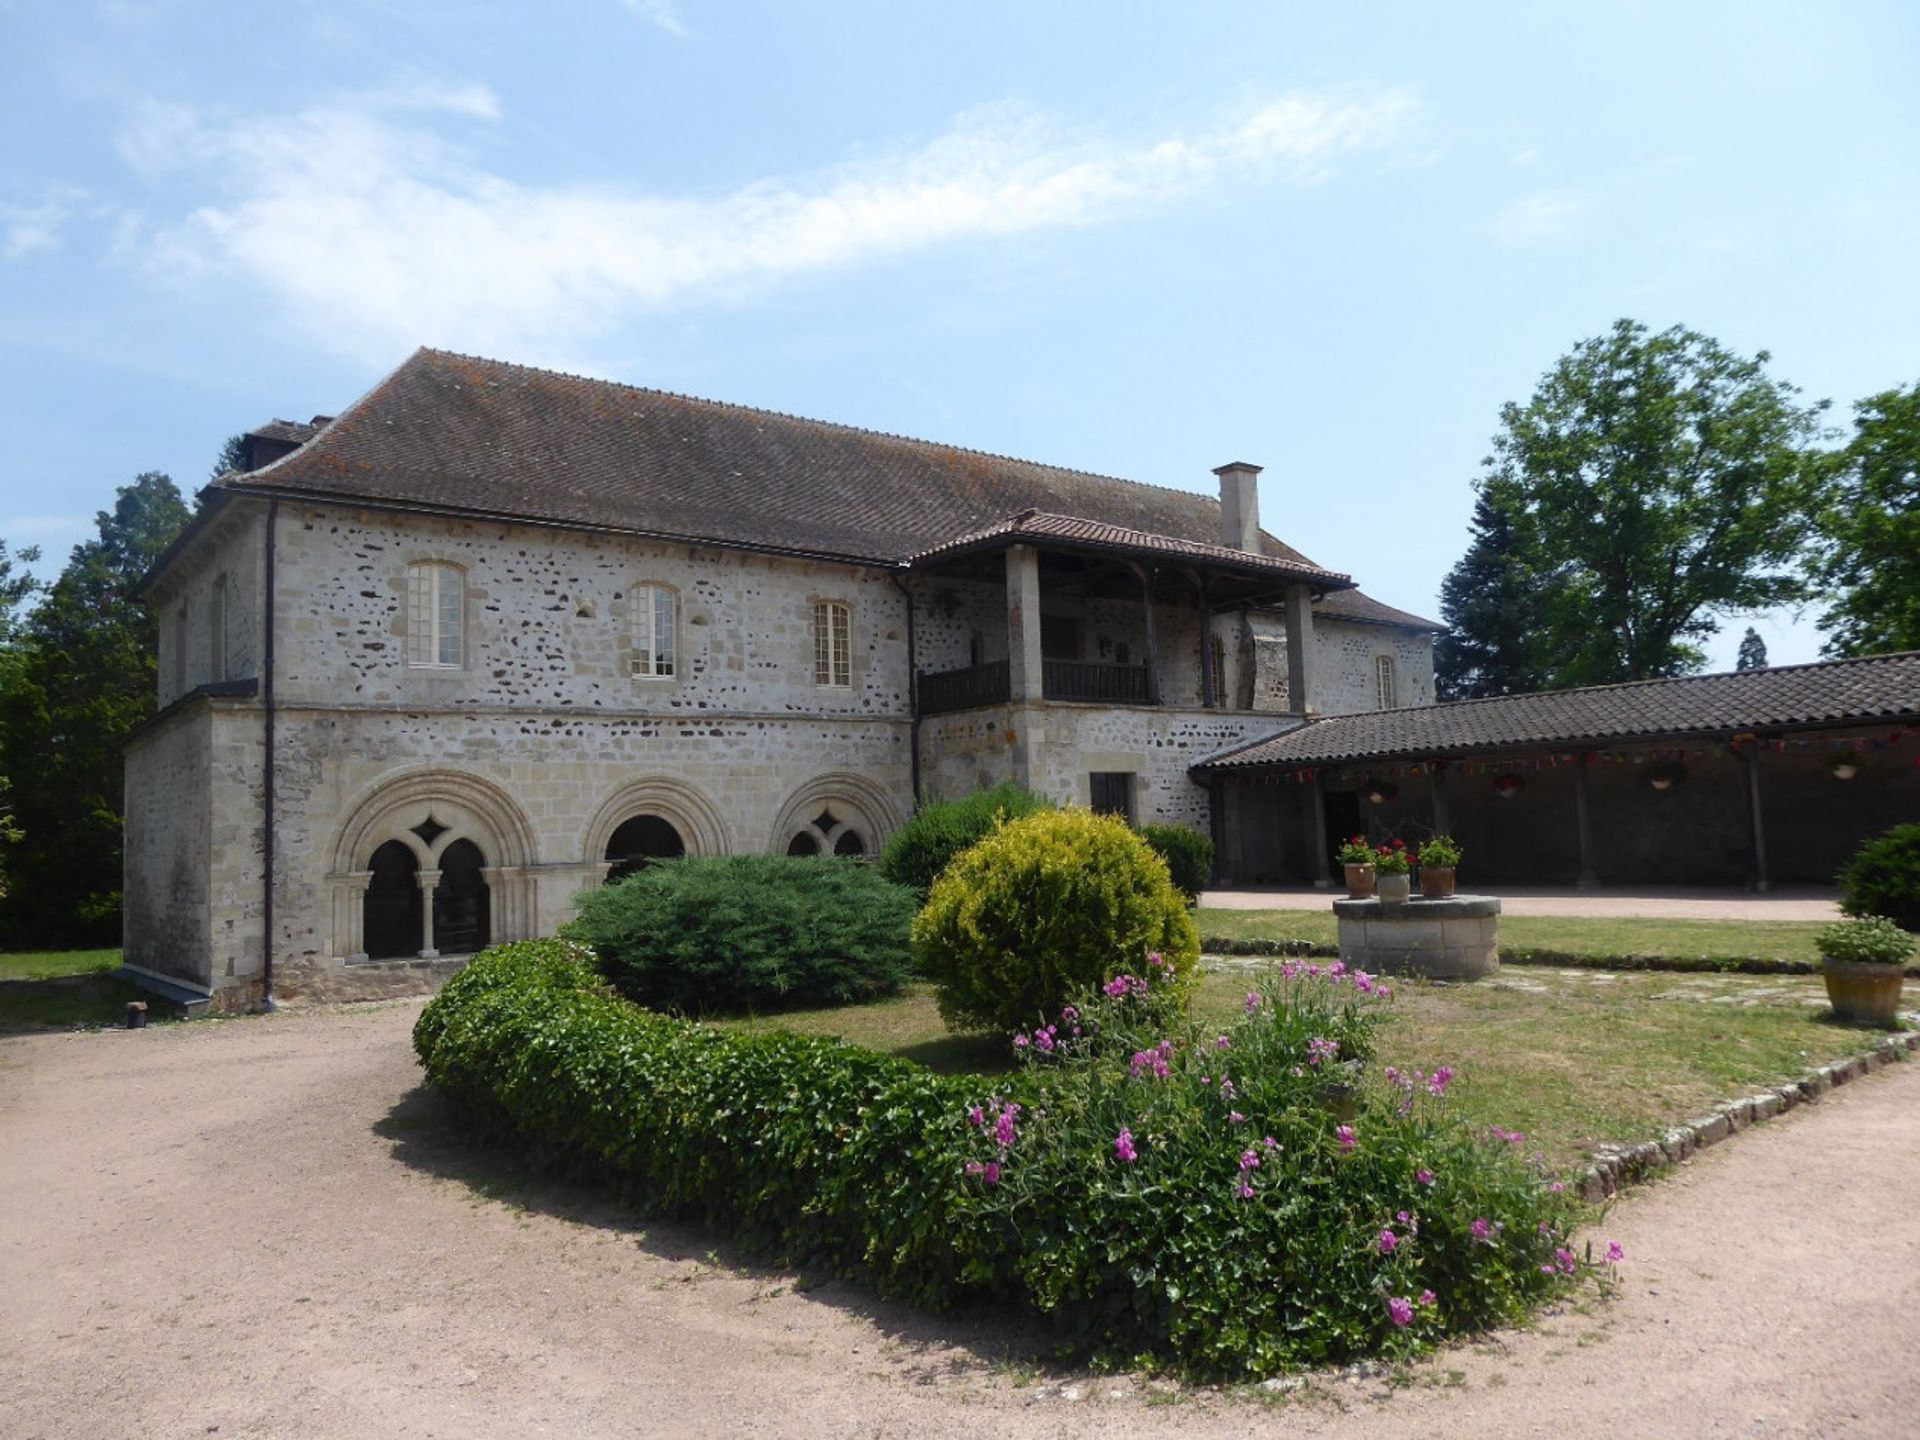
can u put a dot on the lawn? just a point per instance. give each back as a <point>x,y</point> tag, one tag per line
<point>1574,935</point>
<point>1571,1058</point>
<point>44,989</point>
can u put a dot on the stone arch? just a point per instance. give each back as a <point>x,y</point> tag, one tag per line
<point>870,811</point>
<point>684,806</point>
<point>428,811</point>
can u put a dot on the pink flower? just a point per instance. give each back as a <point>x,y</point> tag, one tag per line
<point>1245,1191</point>
<point>976,1117</point>
<point>1485,1231</point>
<point>1319,1049</point>
<point>974,1167</point>
<point>1003,1130</point>
<point>1236,1118</point>
<point>1345,1136</point>
<point>1249,1160</point>
<point>1253,1001</point>
<point>1614,1253</point>
<point>1557,1188</point>
<point>1225,1042</point>
<point>1565,1259</point>
<point>1427,1298</point>
<point>1123,1146</point>
<point>1271,1143</point>
<point>1020,1042</point>
<point>992,1173</point>
<point>1400,1310</point>
<point>1425,1177</point>
<point>1155,958</point>
<point>1388,1242</point>
<point>1438,1081</point>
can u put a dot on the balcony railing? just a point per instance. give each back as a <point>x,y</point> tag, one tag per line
<point>963,689</point>
<point>1094,681</point>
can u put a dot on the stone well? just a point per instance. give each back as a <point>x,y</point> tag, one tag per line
<point>1452,939</point>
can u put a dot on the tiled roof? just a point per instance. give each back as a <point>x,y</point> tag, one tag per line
<point>1786,697</point>
<point>1070,530</point>
<point>292,432</point>
<point>484,437</point>
<point>1353,605</point>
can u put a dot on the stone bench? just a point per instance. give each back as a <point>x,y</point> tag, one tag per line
<point>1452,939</point>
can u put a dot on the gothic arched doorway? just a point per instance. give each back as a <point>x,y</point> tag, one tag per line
<point>461,904</point>
<point>639,842</point>
<point>394,911</point>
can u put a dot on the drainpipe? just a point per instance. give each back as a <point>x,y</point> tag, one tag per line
<point>913,688</point>
<point>267,1002</point>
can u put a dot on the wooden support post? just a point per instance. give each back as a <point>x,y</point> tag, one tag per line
<point>1153,639</point>
<point>1752,757</point>
<point>1317,842</point>
<point>1209,682</point>
<point>1589,879</point>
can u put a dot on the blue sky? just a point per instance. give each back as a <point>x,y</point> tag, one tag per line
<point>1141,239</point>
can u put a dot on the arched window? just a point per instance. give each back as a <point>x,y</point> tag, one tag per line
<point>832,644</point>
<point>655,622</point>
<point>828,833</point>
<point>436,615</point>
<point>461,904</point>
<point>640,842</point>
<point>392,926</point>
<point>1386,690</point>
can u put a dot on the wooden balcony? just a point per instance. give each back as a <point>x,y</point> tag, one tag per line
<point>1088,681</point>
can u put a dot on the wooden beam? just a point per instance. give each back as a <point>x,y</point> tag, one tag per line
<point>1153,639</point>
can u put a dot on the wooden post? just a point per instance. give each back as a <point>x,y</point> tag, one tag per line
<point>1153,640</point>
<point>1588,879</point>
<point>1752,758</point>
<point>1317,842</point>
<point>1209,682</point>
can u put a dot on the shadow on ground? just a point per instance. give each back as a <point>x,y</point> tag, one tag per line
<point>424,1132</point>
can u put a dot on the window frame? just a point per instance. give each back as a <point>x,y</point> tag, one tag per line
<point>1386,683</point>
<point>435,611</point>
<point>644,607</point>
<point>832,645</point>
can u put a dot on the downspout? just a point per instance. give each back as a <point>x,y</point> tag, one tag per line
<point>913,687</point>
<point>267,1002</point>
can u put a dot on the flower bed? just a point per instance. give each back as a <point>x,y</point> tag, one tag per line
<point>1230,1203</point>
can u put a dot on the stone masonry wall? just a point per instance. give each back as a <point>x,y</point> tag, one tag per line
<point>166,847</point>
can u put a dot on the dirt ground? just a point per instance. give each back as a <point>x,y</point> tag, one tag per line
<point>258,1227</point>
<point>1638,902</point>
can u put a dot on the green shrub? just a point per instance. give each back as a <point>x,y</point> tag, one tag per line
<point>1044,908</point>
<point>1188,853</point>
<point>744,930</point>
<point>1872,940</point>
<point>1883,878</point>
<point>919,850</point>
<point>938,1189</point>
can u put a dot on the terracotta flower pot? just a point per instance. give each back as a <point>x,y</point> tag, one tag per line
<point>1863,994</point>
<point>1359,881</point>
<point>1436,883</point>
<point>1393,889</point>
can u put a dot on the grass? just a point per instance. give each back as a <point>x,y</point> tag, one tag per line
<point>1573,1059</point>
<point>1576,935</point>
<point>57,989</point>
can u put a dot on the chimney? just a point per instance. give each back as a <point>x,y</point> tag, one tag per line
<point>1240,506</point>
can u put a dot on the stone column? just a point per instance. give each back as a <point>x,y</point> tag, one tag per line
<point>1024,669</point>
<point>429,882</point>
<point>1300,689</point>
<point>350,914</point>
<point>1756,819</point>
<point>1317,841</point>
<point>1589,878</point>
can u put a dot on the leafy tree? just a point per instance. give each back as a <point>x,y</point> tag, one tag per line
<point>232,457</point>
<point>1872,530</point>
<point>79,676</point>
<point>1753,651</point>
<point>15,590</point>
<point>1491,602</point>
<point>1654,482</point>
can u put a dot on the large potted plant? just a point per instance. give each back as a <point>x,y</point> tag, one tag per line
<point>1863,961</point>
<point>1439,858</point>
<point>1391,862</point>
<point>1356,858</point>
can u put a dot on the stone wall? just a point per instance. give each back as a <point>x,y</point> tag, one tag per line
<point>209,612</point>
<point>166,847</point>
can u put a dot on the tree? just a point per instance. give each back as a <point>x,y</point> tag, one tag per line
<point>1654,483</point>
<point>232,457</point>
<point>1753,651</point>
<point>1492,604</point>
<point>1871,530</point>
<point>15,590</point>
<point>79,676</point>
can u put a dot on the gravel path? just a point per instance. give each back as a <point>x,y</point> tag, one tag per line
<point>1647,902</point>
<point>258,1227</point>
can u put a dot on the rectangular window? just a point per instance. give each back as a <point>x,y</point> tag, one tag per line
<point>217,627</point>
<point>1386,694</point>
<point>436,608</point>
<point>1217,648</point>
<point>832,644</point>
<point>1110,792</point>
<point>654,623</point>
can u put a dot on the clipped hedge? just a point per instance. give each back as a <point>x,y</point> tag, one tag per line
<point>1188,853</point>
<point>1128,1190</point>
<point>735,931</point>
<point>919,850</point>
<point>1044,908</point>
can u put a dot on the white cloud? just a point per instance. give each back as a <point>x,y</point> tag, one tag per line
<point>1543,216</point>
<point>377,233</point>
<point>31,228</point>
<point>663,13</point>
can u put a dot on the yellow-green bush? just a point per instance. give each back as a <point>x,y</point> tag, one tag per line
<point>1045,908</point>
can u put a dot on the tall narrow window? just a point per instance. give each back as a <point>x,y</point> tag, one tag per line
<point>217,628</point>
<point>1217,649</point>
<point>654,621</point>
<point>180,651</point>
<point>1386,692</point>
<point>832,644</point>
<point>436,608</point>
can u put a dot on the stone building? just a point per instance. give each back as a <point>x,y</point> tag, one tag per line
<point>431,668</point>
